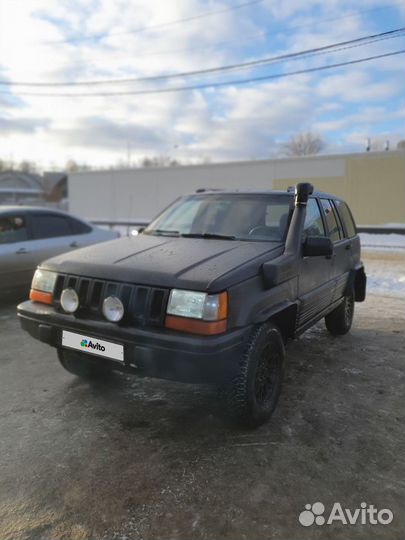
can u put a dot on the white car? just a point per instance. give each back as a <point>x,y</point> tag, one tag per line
<point>29,235</point>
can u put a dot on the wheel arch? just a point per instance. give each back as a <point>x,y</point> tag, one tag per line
<point>285,318</point>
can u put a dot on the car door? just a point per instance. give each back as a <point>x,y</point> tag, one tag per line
<point>51,235</point>
<point>83,234</point>
<point>341,248</point>
<point>17,262</point>
<point>315,283</point>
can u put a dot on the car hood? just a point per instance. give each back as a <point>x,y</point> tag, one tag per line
<point>189,263</point>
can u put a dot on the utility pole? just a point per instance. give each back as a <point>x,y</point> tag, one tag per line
<point>128,154</point>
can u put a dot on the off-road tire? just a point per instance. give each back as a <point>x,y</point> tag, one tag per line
<point>82,366</point>
<point>339,321</point>
<point>253,394</point>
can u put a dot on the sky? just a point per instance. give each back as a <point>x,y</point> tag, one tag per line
<point>62,41</point>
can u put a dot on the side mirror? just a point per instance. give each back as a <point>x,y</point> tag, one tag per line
<point>318,246</point>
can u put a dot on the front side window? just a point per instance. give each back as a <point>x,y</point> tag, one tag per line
<point>237,216</point>
<point>12,229</point>
<point>49,226</point>
<point>313,225</point>
<point>334,227</point>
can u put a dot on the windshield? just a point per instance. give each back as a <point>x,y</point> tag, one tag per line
<point>228,215</point>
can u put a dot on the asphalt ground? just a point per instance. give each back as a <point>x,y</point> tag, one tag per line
<point>141,458</point>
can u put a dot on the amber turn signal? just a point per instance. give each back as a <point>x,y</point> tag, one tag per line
<point>223,305</point>
<point>195,326</point>
<point>41,297</point>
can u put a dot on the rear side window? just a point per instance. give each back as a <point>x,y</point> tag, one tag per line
<point>332,221</point>
<point>49,226</point>
<point>347,218</point>
<point>313,225</point>
<point>12,229</point>
<point>78,227</point>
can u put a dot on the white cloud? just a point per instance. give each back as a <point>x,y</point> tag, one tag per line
<point>228,123</point>
<point>359,86</point>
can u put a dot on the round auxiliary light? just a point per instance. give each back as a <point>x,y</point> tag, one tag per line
<point>69,300</point>
<point>113,309</point>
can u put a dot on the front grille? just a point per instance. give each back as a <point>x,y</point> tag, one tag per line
<point>143,305</point>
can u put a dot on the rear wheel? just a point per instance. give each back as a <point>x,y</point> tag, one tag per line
<point>339,321</point>
<point>82,366</point>
<point>254,392</point>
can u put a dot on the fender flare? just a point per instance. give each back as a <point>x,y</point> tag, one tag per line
<point>284,315</point>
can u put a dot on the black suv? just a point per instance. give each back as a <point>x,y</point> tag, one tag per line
<point>209,292</point>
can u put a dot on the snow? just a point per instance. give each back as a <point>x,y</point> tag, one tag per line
<point>385,272</point>
<point>385,283</point>
<point>384,260</point>
<point>391,242</point>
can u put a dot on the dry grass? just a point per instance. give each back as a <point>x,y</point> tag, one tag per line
<point>20,519</point>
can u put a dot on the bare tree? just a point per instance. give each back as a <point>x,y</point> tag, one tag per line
<point>8,165</point>
<point>27,166</point>
<point>304,144</point>
<point>72,166</point>
<point>159,161</point>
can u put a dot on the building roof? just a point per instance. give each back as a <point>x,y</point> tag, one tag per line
<point>20,182</point>
<point>244,163</point>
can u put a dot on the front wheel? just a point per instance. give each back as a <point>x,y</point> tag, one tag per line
<point>82,366</point>
<point>339,321</point>
<point>254,392</point>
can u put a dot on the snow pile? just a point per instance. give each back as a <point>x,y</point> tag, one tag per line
<point>390,242</point>
<point>384,260</point>
<point>386,283</point>
<point>385,273</point>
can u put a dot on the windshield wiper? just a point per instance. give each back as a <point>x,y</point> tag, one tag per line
<point>214,236</point>
<point>162,232</point>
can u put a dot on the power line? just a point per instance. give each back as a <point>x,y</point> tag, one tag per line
<point>335,47</point>
<point>155,26</point>
<point>211,85</point>
<point>269,33</point>
<point>206,14</point>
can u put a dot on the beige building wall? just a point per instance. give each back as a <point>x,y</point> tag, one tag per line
<point>372,184</point>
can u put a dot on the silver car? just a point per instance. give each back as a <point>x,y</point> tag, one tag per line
<point>29,235</point>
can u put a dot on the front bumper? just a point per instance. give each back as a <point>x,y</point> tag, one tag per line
<point>157,353</point>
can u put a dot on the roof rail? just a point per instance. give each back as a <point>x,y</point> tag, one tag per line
<point>202,190</point>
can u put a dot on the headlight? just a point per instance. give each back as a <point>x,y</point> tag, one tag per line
<point>113,309</point>
<point>186,303</point>
<point>42,286</point>
<point>69,300</point>
<point>197,305</point>
<point>44,281</point>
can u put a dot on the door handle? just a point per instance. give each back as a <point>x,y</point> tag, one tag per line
<point>21,251</point>
<point>74,244</point>
<point>348,246</point>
